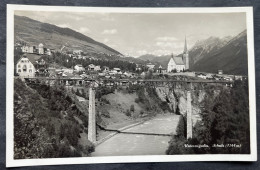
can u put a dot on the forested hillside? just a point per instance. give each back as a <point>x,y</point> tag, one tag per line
<point>225,121</point>
<point>45,125</point>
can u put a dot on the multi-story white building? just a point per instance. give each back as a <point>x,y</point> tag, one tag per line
<point>25,49</point>
<point>25,68</point>
<point>79,68</point>
<point>40,49</point>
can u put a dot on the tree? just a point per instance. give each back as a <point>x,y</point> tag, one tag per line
<point>149,75</point>
<point>77,92</point>
<point>132,108</point>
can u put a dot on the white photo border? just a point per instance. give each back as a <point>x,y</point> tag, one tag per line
<point>11,162</point>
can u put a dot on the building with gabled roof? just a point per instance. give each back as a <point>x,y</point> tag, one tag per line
<point>150,66</point>
<point>40,49</point>
<point>25,68</point>
<point>178,63</point>
<point>79,68</point>
<point>175,63</point>
<point>31,65</point>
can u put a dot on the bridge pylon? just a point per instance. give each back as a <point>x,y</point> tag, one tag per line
<point>92,116</point>
<point>189,115</point>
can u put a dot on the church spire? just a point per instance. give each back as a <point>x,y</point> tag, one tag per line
<point>185,46</point>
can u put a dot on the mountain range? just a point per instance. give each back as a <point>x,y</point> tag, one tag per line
<point>212,54</point>
<point>228,54</point>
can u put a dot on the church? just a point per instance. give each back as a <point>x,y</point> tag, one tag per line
<point>178,63</point>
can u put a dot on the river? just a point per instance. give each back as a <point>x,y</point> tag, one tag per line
<point>139,144</point>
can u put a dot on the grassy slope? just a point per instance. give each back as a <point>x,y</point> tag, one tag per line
<point>119,103</point>
<point>34,32</point>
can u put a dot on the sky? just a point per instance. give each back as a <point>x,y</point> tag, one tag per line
<point>136,34</point>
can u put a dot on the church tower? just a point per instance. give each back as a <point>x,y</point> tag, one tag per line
<point>185,56</point>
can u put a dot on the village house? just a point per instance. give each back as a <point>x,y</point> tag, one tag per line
<point>18,46</point>
<point>220,72</point>
<point>209,76</point>
<point>40,49</point>
<point>68,75</point>
<point>161,70</point>
<point>25,68</point>
<point>67,70</point>
<point>31,65</point>
<point>31,49</point>
<point>41,67</point>
<point>106,69</point>
<point>150,66</point>
<point>201,75</point>
<point>238,77</point>
<point>138,67</point>
<point>228,77</point>
<point>84,75</point>
<point>91,67</point>
<point>79,68</point>
<point>25,49</point>
<point>51,69</point>
<point>77,52</point>
<point>116,71</point>
<point>97,68</point>
<point>47,51</point>
<point>142,75</point>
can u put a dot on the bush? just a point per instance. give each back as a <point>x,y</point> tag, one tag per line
<point>128,113</point>
<point>174,71</point>
<point>105,101</point>
<point>132,108</point>
<point>105,114</point>
<point>141,112</point>
<point>164,106</point>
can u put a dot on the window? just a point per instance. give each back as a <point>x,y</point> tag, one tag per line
<point>30,66</point>
<point>19,70</point>
<point>30,70</point>
<point>24,68</point>
<point>19,66</point>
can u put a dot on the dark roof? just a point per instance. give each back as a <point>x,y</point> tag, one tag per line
<point>178,60</point>
<point>32,58</point>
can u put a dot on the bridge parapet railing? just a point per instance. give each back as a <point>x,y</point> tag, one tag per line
<point>187,84</point>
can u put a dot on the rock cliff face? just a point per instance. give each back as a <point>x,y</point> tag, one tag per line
<point>177,101</point>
